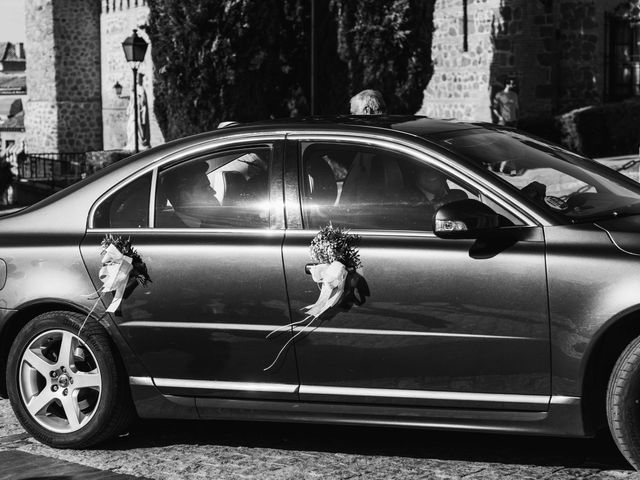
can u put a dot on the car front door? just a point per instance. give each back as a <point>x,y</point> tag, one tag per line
<point>217,283</point>
<point>448,323</point>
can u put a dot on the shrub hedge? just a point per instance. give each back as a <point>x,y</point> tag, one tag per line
<point>602,130</point>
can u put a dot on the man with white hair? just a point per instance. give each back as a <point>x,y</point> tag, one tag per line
<point>368,102</point>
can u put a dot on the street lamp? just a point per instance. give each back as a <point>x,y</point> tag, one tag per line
<point>134,50</point>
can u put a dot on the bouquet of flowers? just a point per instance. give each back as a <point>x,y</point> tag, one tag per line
<point>121,264</point>
<point>138,268</point>
<point>333,244</point>
<point>335,253</point>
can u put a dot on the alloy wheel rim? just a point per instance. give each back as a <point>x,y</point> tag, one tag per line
<point>59,381</point>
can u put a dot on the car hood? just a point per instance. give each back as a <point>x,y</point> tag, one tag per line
<point>624,233</point>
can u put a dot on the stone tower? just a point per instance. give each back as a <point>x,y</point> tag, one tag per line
<point>64,111</point>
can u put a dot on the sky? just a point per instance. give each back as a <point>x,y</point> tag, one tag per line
<point>12,27</point>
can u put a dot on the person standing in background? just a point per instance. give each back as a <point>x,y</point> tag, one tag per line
<point>506,106</point>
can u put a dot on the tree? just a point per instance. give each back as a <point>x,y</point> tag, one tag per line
<point>248,60</point>
<point>221,60</point>
<point>387,46</point>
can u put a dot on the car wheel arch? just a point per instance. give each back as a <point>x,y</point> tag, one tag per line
<point>601,359</point>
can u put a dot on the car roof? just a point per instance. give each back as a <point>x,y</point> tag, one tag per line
<point>413,124</point>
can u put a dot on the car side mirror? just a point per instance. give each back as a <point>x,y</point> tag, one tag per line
<point>464,219</point>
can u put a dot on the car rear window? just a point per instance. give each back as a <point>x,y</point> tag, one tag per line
<point>126,208</point>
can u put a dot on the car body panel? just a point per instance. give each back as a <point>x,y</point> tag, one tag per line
<point>455,334</point>
<point>591,284</point>
<point>52,263</point>
<point>414,334</point>
<point>200,325</point>
<point>198,333</point>
<point>434,329</point>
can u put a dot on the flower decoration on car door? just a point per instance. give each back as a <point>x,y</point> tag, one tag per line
<point>122,269</point>
<point>335,254</point>
<point>121,264</point>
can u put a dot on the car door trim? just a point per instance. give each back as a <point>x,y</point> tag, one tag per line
<point>222,385</point>
<point>528,216</point>
<point>507,400</point>
<point>332,330</point>
<point>542,400</point>
<point>141,381</point>
<point>252,231</point>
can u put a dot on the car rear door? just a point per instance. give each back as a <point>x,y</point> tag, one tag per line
<point>447,323</point>
<point>217,288</point>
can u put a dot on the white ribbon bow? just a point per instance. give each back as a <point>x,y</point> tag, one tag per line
<point>114,274</point>
<point>332,277</point>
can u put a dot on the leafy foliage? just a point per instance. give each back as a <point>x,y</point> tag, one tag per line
<point>602,130</point>
<point>221,60</point>
<point>249,60</point>
<point>334,244</point>
<point>387,47</point>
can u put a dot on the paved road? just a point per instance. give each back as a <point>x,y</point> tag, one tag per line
<point>239,450</point>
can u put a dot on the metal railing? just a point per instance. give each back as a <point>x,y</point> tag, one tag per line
<point>57,170</point>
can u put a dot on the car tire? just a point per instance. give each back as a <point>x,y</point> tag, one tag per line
<point>623,403</point>
<point>68,390</point>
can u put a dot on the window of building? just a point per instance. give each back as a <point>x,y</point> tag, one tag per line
<point>623,51</point>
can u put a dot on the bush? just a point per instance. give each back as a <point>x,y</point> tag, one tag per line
<point>603,130</point>
<point>545,127</point>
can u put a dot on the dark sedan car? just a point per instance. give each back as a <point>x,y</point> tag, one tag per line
<point>499,289</point>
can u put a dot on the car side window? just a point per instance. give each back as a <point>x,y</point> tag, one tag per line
<point>226,190</point>
<point>126,208</point>
<point>369,188</point>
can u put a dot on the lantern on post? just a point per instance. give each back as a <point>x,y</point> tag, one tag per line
<point>135,49</point>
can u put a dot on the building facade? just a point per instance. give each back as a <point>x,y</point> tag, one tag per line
<point>13,95</point>
<point>76,59</point>
<point>564,54</point>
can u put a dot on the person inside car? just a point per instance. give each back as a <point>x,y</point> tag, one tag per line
<point>432,189</point>
<point>188,190</point>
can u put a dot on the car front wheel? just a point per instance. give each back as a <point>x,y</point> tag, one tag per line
<point>623,403</point>
<point>67,389</point>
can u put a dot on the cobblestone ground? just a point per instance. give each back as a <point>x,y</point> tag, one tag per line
<point>249,450</point>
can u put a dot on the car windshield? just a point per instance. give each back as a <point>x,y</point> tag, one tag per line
<point>563,183</point>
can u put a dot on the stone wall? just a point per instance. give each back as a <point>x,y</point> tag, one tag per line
<point>118,19</point>
<point>461,80</point>
<point>555,50</point>
<point>63,76</point>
